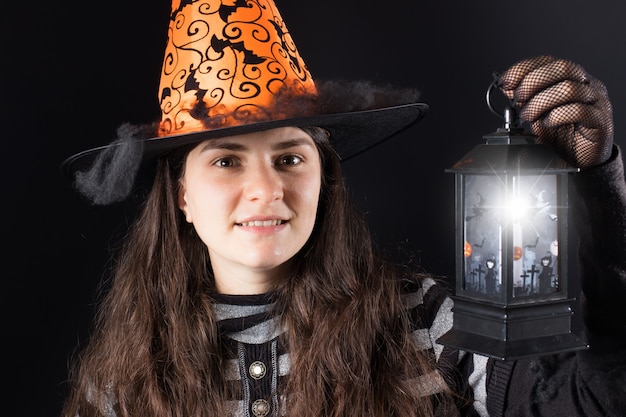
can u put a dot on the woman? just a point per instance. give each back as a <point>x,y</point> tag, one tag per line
<point>249,284</point>
<point>256,222</point>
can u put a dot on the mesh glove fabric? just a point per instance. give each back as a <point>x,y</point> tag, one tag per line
<point>565,107</point>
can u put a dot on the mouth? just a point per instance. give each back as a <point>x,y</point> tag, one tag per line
<point>262,223</point>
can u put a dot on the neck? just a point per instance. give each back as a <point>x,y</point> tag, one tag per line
<point>246,281</point>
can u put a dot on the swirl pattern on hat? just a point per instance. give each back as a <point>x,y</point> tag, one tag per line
<point>225,64</point>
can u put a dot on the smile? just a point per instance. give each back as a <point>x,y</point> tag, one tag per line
<point>262,223</point>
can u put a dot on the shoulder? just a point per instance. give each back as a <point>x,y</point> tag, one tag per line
<point>426,292</point>
<point>427,302</point>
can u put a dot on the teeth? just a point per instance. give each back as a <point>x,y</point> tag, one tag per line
<point>264,223</point>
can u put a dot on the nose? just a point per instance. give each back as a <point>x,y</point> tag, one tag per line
<point>263,183</point>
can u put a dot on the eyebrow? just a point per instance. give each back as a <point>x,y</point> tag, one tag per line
<point>222,144</point>
<point>292,143</point>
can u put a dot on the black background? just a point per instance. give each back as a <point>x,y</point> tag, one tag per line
<point>73,71</point>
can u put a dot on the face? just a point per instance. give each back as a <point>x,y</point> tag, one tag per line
<point>253,200</point>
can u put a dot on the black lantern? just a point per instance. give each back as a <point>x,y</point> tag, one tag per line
<point>511,299</point>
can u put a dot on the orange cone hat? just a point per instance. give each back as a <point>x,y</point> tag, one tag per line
<point>225,63</point>
<point>231,67</point>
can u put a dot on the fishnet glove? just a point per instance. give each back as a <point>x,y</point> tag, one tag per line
<point>565,107</point>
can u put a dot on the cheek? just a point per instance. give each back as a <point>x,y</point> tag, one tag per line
<point>198,203</point>
<point>206,217</point>
<point>310,195</point>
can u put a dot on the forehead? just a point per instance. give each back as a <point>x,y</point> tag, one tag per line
<point>279,138</point>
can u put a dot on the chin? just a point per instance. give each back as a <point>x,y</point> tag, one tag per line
<point>269,263</point>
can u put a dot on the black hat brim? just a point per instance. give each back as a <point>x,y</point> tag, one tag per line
<point>350,133</point>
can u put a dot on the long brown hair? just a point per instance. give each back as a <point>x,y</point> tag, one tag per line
<point>156,351</point>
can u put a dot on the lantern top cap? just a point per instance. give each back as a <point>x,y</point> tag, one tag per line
<point>505,152</point>
<point>517,152</point>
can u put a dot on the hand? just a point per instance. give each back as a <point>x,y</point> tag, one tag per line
<point>565,106</point>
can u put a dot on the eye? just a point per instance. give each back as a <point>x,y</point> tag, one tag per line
<point>225,162</point>
<point>289,160</point>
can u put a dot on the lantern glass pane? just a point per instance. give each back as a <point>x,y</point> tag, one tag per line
<point>482,235</point>
<point>535,235</point>
<point>510,236</point>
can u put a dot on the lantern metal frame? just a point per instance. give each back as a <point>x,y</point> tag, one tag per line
<point>500,321</point>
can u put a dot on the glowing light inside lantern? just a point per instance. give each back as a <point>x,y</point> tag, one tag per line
<point>516,208</point>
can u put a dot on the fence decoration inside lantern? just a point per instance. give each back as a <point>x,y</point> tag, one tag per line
<point>511,297</point>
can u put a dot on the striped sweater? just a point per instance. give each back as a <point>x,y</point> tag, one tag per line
<point>261,361</point>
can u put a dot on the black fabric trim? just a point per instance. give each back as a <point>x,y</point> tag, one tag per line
<point>498,379</point>
<point>244,300</point>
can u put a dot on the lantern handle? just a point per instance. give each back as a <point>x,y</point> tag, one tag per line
<point>511,120</point>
